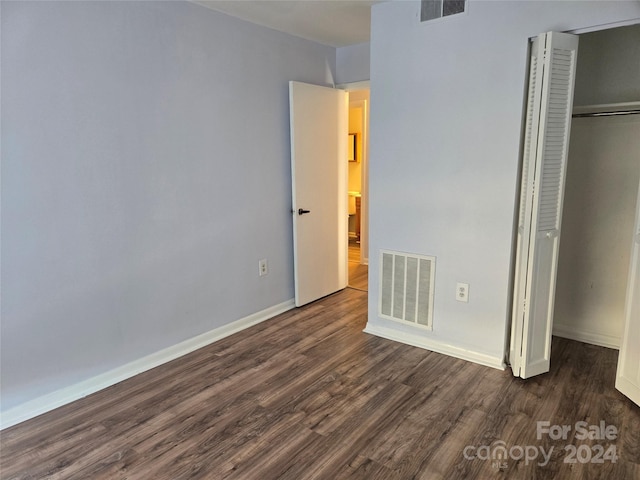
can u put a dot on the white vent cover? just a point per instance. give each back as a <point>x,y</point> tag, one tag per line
<point>406,288</point>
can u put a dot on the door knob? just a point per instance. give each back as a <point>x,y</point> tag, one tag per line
<point>302,211</point>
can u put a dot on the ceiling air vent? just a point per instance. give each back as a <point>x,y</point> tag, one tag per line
<point>406,288</point>
<point>431,9</point>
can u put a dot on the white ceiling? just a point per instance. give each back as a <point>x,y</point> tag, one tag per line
<point>331,22</point>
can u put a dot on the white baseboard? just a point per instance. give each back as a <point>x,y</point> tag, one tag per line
<point>602,340</point>
<point>436,346</point>
<point>628,389</point>
<point>46,403</point>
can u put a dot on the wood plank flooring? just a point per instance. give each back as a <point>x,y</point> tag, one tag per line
<point>358,273</point>
<point>307,395</point>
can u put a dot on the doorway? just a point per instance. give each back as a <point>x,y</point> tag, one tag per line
<point>320,139</point>
<point>597,294</point>
<point>357,188</point>
<point>601,192</point>
<point>601,189</point>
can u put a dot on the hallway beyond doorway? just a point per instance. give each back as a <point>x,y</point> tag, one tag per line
<point>358,273</point>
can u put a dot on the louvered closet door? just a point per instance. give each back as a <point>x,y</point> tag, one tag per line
<point>549,106</point>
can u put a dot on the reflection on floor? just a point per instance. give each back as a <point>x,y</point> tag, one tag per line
<point>358,273</point>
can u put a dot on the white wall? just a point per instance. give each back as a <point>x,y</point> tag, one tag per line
<point>608,69</point>
<point>597,228</point>
<point>352,63</point>
<point>145,171</point>
<point>447,106</point>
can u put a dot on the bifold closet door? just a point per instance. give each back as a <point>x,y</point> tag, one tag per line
<point>548,124</point>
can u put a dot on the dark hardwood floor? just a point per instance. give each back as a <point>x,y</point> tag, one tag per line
<point>358,273</point>
<point>307,395</point>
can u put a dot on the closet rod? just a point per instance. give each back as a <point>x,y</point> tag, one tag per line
<point>606,114</point>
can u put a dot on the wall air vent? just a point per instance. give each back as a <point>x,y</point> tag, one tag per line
<point>432,9</point>
<point>406,288</point>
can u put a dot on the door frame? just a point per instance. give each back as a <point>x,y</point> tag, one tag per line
<point>513,286</point>
<point>364,208</point>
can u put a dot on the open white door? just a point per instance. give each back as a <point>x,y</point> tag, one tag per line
<point>319,169</point>
<point>628,376</point>
<point>548,123</point>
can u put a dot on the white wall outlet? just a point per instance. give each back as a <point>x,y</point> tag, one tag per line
<point>263,268</point>
<point>462,292</point>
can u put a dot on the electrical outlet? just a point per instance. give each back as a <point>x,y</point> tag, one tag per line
<point>462,292</point>
<point>263,268</point>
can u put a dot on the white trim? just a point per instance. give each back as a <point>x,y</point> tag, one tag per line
<point>436,346</point>
<point>580,335</point>
<point>46,403</point>
<point>627,388</point>
<point>355,86</point>
<point>605,26</point>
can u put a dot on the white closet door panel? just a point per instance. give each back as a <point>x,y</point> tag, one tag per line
<point>628,376</point>
<point>526,202</point>
<point>537,256</point>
